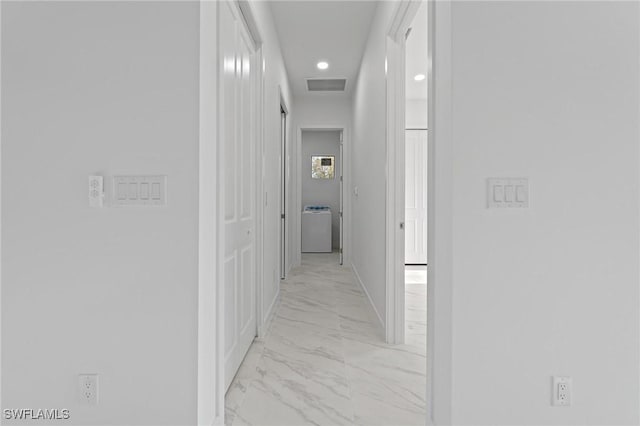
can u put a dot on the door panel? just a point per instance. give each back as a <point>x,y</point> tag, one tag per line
<point>245,130</point>
<point>238,184</point>
<point>415,197</point>
<point>248,308</point>
<point>230,304</point>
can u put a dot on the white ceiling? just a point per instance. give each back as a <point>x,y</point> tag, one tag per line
<point>332,31</point>
<point>417,56</point>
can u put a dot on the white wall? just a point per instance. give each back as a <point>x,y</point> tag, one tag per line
<point>322,191</point>
<point>553,289</point>
<point>323,110</point>
<point>368,163</point>
<point>275,80</point>
<point>416,114</point>
<point>99,88</point>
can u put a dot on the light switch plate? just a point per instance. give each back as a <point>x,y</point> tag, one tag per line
<point>140,190</point>
<point>507,193</point>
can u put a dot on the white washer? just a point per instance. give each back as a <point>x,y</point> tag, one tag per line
<point>316,230</point>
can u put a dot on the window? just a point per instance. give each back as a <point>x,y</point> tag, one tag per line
<point>322,167</point>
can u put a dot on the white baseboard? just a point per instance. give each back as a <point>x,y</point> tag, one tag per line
<point>364,289</point>
<point>271,313</point>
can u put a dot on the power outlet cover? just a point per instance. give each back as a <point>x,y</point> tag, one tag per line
<point>96,191</point>
<point>88,389</point>
<point>561,391</point>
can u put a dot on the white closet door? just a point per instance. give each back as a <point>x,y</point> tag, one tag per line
<point>238,182</point>
<point>416,197</point>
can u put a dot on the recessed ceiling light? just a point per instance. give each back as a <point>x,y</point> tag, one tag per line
<point>419,77</point>
<point>322,65</point>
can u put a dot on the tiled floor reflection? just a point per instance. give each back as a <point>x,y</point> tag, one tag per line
<point>324,360</point>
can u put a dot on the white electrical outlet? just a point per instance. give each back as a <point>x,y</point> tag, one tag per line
<point>96,191</point>
<point>88,389</point>
<point>561,391</point>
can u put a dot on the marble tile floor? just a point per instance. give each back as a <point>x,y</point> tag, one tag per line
<point>415,274</point>
<point>324,361</point>
<point>416,305</point>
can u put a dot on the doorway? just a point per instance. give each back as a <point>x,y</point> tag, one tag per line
<point>415,263</point>
<point>321,202</point>
<point>407,113</point>
<point>415,173</point>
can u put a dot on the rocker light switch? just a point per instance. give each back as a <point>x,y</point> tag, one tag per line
<point>133,191</point>
<point>507,193</point>
<point>122,191</point>
<point>498,193</point>
<point>140,190</point>
<point>521,194</point>
<point>155,191</point>
<point>144,190</point>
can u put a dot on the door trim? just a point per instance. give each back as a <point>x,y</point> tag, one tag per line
<point>440,215</point>
<point>439,206</point>
<point>346,182</point>
<point>395,289</point>
<point>285,183</point>
<point>211,320</point>
<point>210,401</point>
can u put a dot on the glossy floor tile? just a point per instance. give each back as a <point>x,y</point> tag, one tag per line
<point>324,361</point>
<point>416,306</point>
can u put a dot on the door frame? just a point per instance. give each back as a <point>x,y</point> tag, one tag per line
<point>440,215</point>
<point>395,191</point>
<point>346,182</point>
<point>210,318</point>
<point>439,205</point>
<point>285,183</point>
<point>211,310</point>
<point>210,405</point>
<point>1,400</point>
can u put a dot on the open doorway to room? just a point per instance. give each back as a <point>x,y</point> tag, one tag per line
<point>321,199</point>
<point>407,116</point>
<point>416,162</point>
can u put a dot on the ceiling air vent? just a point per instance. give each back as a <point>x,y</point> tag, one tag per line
<point>326,84</point>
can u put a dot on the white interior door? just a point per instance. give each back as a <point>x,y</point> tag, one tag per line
<point>416,197</point>
<point>238,181</point>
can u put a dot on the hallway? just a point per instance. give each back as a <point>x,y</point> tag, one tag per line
<point>324,360</point>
